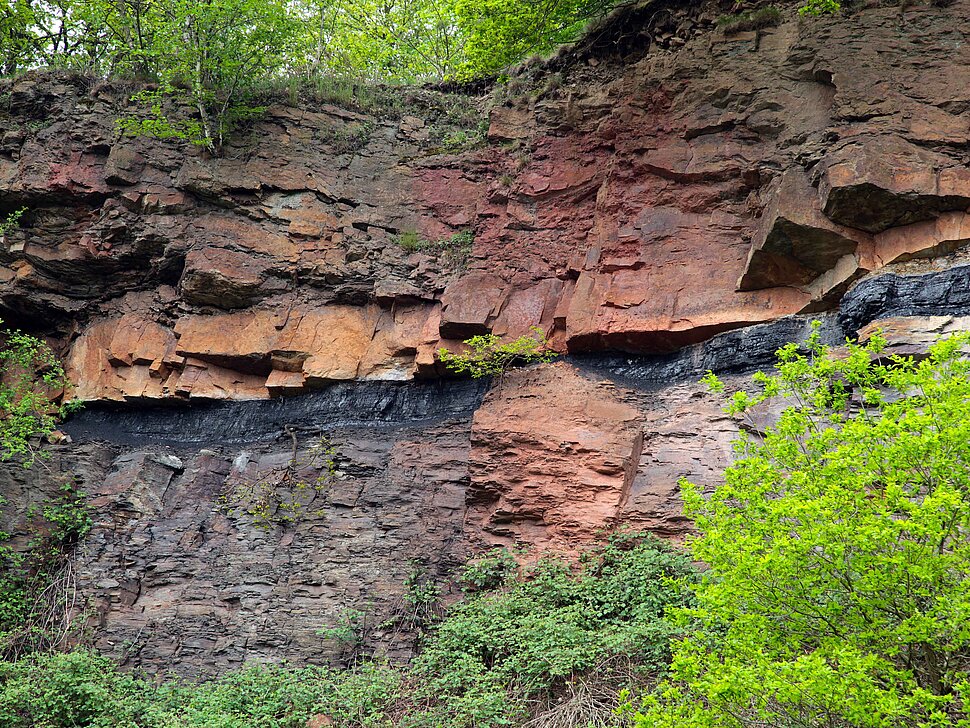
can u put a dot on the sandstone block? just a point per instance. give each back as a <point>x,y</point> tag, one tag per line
<point>883,182</point>
<point>795,242</point>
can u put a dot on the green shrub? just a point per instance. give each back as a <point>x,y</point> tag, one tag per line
<point>499,651</point>
<point>489,356</point>
<point>31,382</point>
<point>839,580</point>
<point>491,571</point>
<point>70,690</point>
<point>81,689</point>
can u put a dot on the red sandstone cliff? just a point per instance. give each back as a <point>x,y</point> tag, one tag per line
<point>636,206</point>
<point>629,200</point>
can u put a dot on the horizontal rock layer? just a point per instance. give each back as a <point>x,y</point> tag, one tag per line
<point>657,216</point>
<point>639,207</point>
<point>180,575</point>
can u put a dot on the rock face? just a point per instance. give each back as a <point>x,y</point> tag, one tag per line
<point>691,206</point>
<point>637,206</point>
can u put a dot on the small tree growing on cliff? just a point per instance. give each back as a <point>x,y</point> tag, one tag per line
<point>489,356</point>
<point>838,592</point>
<point>32,381</point>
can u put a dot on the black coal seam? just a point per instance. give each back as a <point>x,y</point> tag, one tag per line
<point>344,405</point>
<point>394,405</point>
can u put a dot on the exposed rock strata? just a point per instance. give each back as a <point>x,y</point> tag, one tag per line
<point>690,210</point>
<point>179,576</point>
<point>638,207</point>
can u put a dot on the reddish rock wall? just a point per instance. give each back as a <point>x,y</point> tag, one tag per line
<point>720,189</point>
<point>638,206</point>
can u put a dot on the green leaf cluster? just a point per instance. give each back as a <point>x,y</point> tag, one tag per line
<point>493,659</point>
<point>11,221</point>
<point>214,49</point>
<point>32,381</point>
<point>539,632</point>
<point>488,355</point>
<point>816,8</point>
<point>83,689</point>
<point>32,613</point>
<point>838,545</point>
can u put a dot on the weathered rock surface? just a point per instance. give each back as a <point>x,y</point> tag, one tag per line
<point>686,209</point>
<point>638,206</point>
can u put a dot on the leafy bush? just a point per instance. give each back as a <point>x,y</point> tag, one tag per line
<point>284,494</point>
<point>501,650</point>
<point>489,571</point>
<point>491,661</point>
<point>82,689</point>
<point>205,54</point>
<point>499,33</point>
<point>488,355</point>
<point>69,690</point>
<point>839,581</point>
<point>32,381</point>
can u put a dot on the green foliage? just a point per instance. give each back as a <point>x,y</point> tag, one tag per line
<point>820,7</point>
<point>31,381</point>
<point>542,630</point>
<point>499,33</point>
<point>349,632</point>
<point>489,356</point>
<point>83,689</point>
<point>36,586</point>
<point>422,594</point>
<point>209,53</point>
<point>68,690</point>
<point>496,658</point>
<point>212,55</point>
<point>766,17</point>
<point>838,591</point>
<point>407,40</point>
<point>11,221</point>
<point>34,581</point>
<point>488,572</point>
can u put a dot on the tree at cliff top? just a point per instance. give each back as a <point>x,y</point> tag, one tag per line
<point>223,44</point>
<point>208,54</point>
<point>838,592</point>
